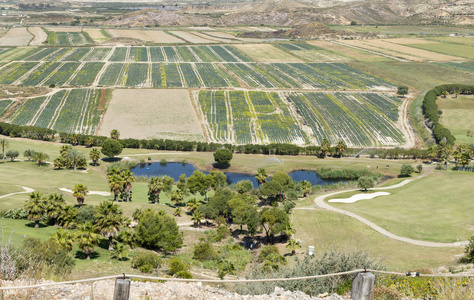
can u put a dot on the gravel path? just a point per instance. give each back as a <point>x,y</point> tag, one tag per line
<point>27,190</point>
<point>319,201</point>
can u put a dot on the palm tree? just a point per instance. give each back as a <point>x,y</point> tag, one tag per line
<point>193,204</point>
<point>197,217</point>
<point>128,177</point>
<point>177,212</point>
<point>63,238</point>
<point>289,230</point>
<point>177,197</point>
<point>87,238</point>
<point>88,142</point>
<point>35,207</point>
<point>307,187</point>
<point>67,217</point>
<point>74,156</point>
<point>41,157</point>
<point>115,134</point>
<point>293,245</point>
<point>137,214</point>
<point>341,147</point>
<point>54,206</point>
<point>325,147</point>
<point>58,162</point>
<point>261,176</point>
<point>74,138</point>
<point>109,220</point>
<point>4,143</point>
<point>158,184</point>
<point>120,251</point>
<point>80,192</point>
<point>65,150</point>
<point>94,155</point>
<point>115,184</point>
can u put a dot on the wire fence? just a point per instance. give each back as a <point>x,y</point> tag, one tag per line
<point>409,274</point>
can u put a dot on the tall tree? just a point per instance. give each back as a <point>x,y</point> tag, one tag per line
<point>273,221</point>
<point>36,206</point>
<point>54,206</point>
<point>80,192</point>
<point>306,187</point>
<point>109,220</point>
<point>94,155</point>
<point>325,147</point>
<point>158,184</point>
<point>4,143</point>
<point>128,178</point>
<point>199,182</point>
<point>115,134</point>
<point>261,176</point>
<point>74,157</point>
<point>67,217</point>
<point>341,147</point>
<point>63,238</point>
<point>116,184</point>
<point>87,238</point>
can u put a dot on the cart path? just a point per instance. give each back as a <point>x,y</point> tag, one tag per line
<point>27,190</point>
<point>319,201</point>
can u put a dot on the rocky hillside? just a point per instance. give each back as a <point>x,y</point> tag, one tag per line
<point>297,12</point>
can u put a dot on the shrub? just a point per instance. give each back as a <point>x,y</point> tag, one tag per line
<point>184,274</point>
<point>176,265</point>
<point>385,293</point>
<point>16,213</point>
<point>365,182</point>
<point>146,262</point>
<point>406,170</point>
<point>221,233</point>
<point>204,251</point>
<point>223,156</point>
<point>419,168</point>
<point>111,147</point>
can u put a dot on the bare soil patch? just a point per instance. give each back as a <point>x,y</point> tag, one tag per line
<point>64,29</point>
<point>96,34</point>
<point>14,91</point>
<point>152,114</point>
<point>40,36</point>
<point>267,53</point>
<point>154,36</point>
<point>428,55</point>
<point>188,36</point>
<point>201,28</point>
<point>17,36</point>
<point>409,41</point>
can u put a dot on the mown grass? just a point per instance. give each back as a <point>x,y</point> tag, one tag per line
<point>433,208</point>
<point>457,116</point>
<point>326,230</point>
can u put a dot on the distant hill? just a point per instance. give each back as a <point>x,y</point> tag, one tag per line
<point>294,13</point>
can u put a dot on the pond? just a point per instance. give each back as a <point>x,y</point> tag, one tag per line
<point>174,170</point>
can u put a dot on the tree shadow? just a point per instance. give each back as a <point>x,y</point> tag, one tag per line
<point>104,244</point>
<point>220,166</point>
<point>82,255</point>
<point>32,225</point>
<point>111,159</point>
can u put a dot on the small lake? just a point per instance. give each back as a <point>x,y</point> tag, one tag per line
<point>175,169</point>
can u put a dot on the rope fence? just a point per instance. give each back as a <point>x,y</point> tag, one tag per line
<point>410,274</point>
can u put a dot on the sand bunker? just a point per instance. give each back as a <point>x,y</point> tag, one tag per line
<point>358,197</point>
<point>88,193</point>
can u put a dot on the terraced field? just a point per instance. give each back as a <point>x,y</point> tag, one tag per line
<point>359,119</point>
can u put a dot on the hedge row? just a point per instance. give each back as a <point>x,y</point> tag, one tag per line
<point>431,112</point>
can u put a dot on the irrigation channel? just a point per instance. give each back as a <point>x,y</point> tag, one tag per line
<point>175,169</point>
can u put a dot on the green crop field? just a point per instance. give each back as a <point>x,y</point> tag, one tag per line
<point>69,38</point>
<point>448,48</point>
<point>87,74</point>
<point>465,66</point>
<point>360,119</point>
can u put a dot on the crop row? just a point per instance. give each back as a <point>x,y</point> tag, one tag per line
<point>140,54</point>
<point>69,38</point>
<point>465,66</point>
<point>71,111</point>
<point>359,119</point>
<point>4,106</point>
<point>15,70</point>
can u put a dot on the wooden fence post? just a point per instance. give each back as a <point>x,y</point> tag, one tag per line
<point>362,286</point>
<point>122,288</point>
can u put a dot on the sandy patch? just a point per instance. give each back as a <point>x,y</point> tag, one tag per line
<point>359,197</point>
<point>88,193</point>
<point>40,36</point>
<point>265,29</point>
<point>153,113</point>
<point>192,38</point>
<point>154,36</point>
<point>201,28</point>
<point>267,53</point>
<point>17,36</point>
<point>96,34</point>
<point>64,29</point>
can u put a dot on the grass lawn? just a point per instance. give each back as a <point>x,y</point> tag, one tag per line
<point>326,230</point>
<point>457,116</point>
<point>435,208</point>
<point>8,188</point>
<point>416,75</point>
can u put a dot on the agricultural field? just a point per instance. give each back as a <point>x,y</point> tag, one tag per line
<point>56,38</point>
<point>467,66</point>
<point>16,36</point>
<point>72,111</point>
<point>464,51</point>
<point>152,115</point>
<point>4,106</point>
<point>40,36</point>
<point>266,53</point>
<point>153,36</point>
<point>360,119</point>
<point>457,116</point>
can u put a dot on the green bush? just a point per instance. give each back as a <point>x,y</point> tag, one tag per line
<point>221,233</point>
<point>146,262</point>
<point>204,251</point>
<point>406,170</point>
<point>176,266</point>
<point>16,213</point>
<point>184,274</point>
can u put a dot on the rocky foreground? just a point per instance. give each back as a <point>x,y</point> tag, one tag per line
<point>145,290</point>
